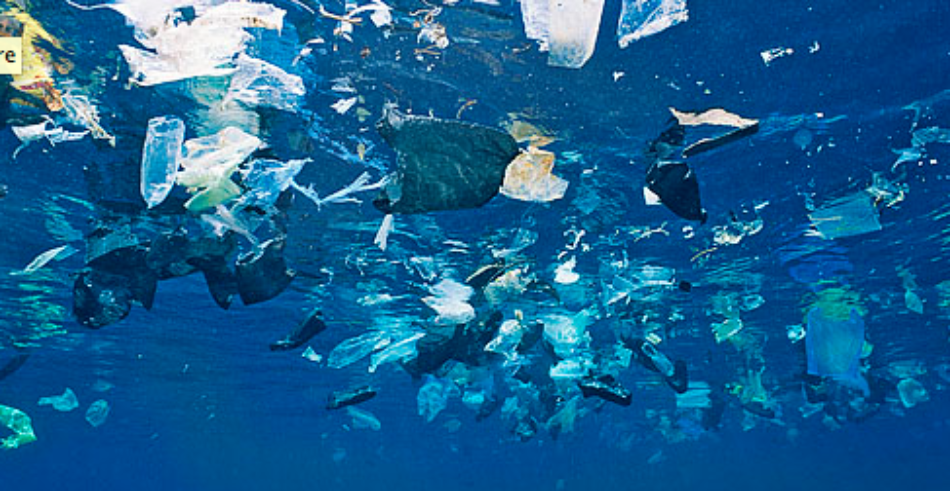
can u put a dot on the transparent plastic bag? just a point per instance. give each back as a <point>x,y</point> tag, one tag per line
<point>160,156</point>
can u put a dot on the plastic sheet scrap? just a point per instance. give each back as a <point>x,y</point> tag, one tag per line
<point>258,83</point>
<point>834,344</point>
<point>31,133</point>
<point>206,46</point>
<point>434,397</point>
<point>442,164</point>
<point>450,299</point>
<point>529,178</point>
<point>55,254</point>
<point>568,30</point>
<point>20,424</point>
<point>846,217</point>
<point>642,18</point>
<point>63,403</point>
<point>362,419</point>
<point>97,413</point>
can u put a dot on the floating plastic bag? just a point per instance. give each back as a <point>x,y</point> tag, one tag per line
<point>160,157</point>
<point>642,18</point>
<point>363,420</point>
<point>267,178</point>
<point>450,301</point>
<point>529,178</point>
<point>208,163</point>
<point>442,164</point>
<point>433,397</point>
<point>65,403</point>
<point>846,217</point>
<point>97,413</point>
<point>834,344</point>
<point>21,426</point>
<point>567,335</point>
<point>355,349</point>
<point>402,348</point>
<point>912,392</point>
<point>258,83</point>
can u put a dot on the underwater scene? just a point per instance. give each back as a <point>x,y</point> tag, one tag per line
<point>474,244</point>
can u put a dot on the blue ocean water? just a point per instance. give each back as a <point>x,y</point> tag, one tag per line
<point>199,401</point>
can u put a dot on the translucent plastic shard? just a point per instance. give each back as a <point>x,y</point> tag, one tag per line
<point>642,18</point>
<point>64,403</point>
<point>834,344</point>
<point>434,396</point>
<point>529,178</point>
<point>20,424</point>
<point>258,83</point>
<point>572,33</point>
<point>97,413</point>
<point>846,217</point>
<point>160,156</point>
<point>450,301</point>
<point>357,348</point>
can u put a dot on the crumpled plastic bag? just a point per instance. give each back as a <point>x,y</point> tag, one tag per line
<point>529,178</point>
<point>208,163</point>
<point>442,164</point>
<point>21,426</point>
<point>258,83</point>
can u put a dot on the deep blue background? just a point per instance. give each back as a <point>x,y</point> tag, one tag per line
<point>199,403</point>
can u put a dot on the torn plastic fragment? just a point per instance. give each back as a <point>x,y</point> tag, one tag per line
<point>343,105</point>
<point>715,117</point>
<point>64,403</point>
<point>834,344</point>
<point>642,18</point>
<point>257,83</point>
<point>265,179</point>
<point>769,55</point>
<point>356,348</point>
<point>359,185</point>
<point>32,133</point>
<point>382,235</point>
<point>912,392</point>
<point>433,397</point>
<point>402,348</point>
<point>529,178</point>
<point>363,419</point>
<point>97,413</point>
<point>572,32</point>
<point>564,274</point>
<point>56,254</point>
<point>160,156</point>
<point>442,164</point>
<point>450,301</point>
<point>846,217</point>
<point>19,423</point>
